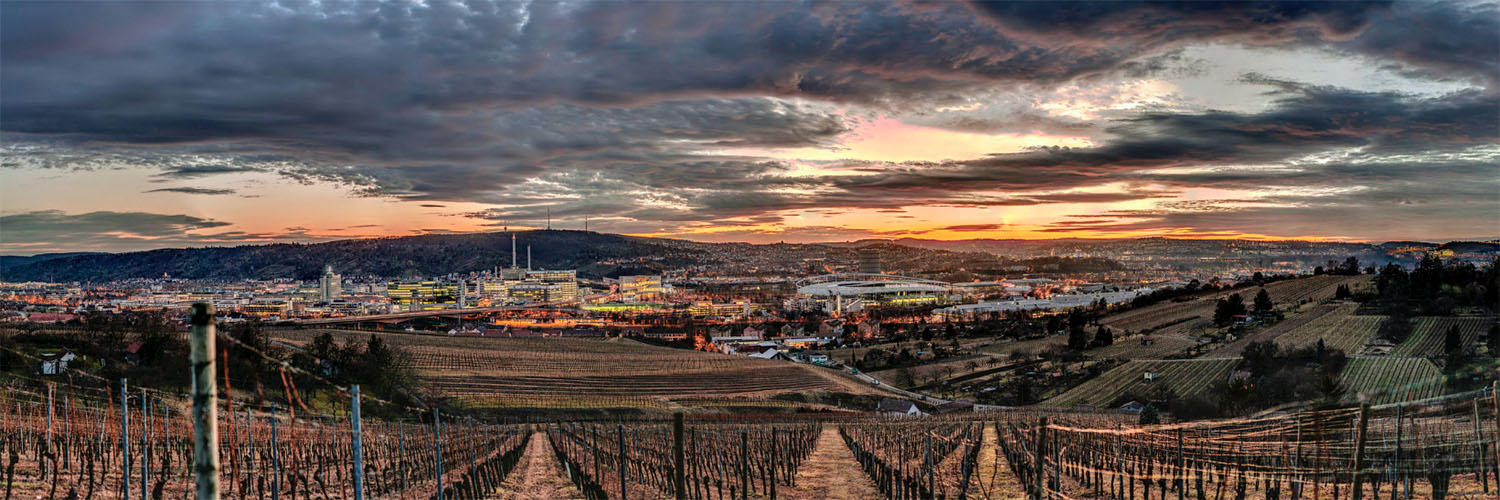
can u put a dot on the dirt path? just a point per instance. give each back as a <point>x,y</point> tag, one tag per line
<point>537,476</point>
<point>993,479</point>
<point>831,473</point>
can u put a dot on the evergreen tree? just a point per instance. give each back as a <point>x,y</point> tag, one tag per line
<point>1453,341</point>
<point>1493,340</point>
<point>1078,339</point>
<point>1342,293</point>
<point>1263,303</point>
<point>1104,336</point>
<point>1226,309</point>
<point>1150,415</point>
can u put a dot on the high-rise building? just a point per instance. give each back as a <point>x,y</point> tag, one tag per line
<point>330,285</point>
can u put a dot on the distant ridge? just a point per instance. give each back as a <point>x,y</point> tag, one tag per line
<point>437,254</point>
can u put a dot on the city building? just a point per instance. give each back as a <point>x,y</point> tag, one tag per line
<point>565,281</point>
<point>422,295</point>
<point>330,285</point>
<point>641,288</point>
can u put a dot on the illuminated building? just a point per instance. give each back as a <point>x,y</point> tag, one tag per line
<point>330,285</point>
<point>641,288</point>
<point>267,307</point>
<point>534,292</point>
<point>422,295</point>
<point>566,282</point>
<point>838,293</point>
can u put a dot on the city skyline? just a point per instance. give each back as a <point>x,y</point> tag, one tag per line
<point>130,126</point>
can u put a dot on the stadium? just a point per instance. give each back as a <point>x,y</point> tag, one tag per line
<point>849,292</point>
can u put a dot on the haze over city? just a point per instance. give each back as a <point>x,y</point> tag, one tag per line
<point>130,126</point>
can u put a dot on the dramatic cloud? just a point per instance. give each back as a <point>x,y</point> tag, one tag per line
<point>762,119</point>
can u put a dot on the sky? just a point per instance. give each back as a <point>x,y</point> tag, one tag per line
<point>136,125</point>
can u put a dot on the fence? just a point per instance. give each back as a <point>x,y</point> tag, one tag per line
<point>1347,452</point>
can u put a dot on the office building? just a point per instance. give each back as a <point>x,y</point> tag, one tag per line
<point>640,288</point>
<point>330,285</point>
<point>422,295</point>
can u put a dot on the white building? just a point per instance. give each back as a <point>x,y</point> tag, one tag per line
<point>330,285</point>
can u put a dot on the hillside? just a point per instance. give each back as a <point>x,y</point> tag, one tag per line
<point>593,254</point>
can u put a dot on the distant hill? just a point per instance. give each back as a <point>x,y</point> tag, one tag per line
<point>597,255</point>
<point>425,255</point>
<point>9,261</point>
<point>593,254</point>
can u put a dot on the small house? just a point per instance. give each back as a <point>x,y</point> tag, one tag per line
<point>898,408</point>
<point>132,352</point>
<point>1151,375</point>
<point>55,363</point>
<point>771,354</point>
<point>1133,407</point>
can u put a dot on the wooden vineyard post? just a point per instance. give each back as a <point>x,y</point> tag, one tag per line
<point>772,465</point>
<point>1038,480</point>
<point>620,437</point>
<point>124,439</point>
<point>679,488</point>
<point>275,458</point>
<point>744,465</point>
<point>1359,450</point>
<point>205,409</point>
<point>1495,398</point>
<point>1479,471</point>
<point>437,446</point>
<point>1181,476</point>
<point>145,445</point>
<point>358,444</point>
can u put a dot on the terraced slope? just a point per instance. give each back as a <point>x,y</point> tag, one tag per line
<point>1185,378</point>
<point>1172,317</point>
<point>1429,332</point>
<point>1340,329</point>
<point>1391,379</point>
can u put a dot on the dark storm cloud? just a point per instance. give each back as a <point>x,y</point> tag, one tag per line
<point>42,231</point>
<point>196,171</point>
<point>607,108</point>
<point>1304,121</point>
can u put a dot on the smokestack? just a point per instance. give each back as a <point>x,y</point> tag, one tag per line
<point>528,257</point>
<point>514,262</point>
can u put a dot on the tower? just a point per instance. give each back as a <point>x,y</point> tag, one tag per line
<point>330,285</point>
<point>528,258</point>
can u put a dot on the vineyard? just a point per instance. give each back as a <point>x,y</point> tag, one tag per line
<point>74,443</point>
<point>1434,449</point>
<point>1391,379</point>
<point>1171,317</point>
<point>1428,334</point>
<point>1339,329</point>
<point>1184,378</point>
<point>561,373</point>
<point>143,448</point>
